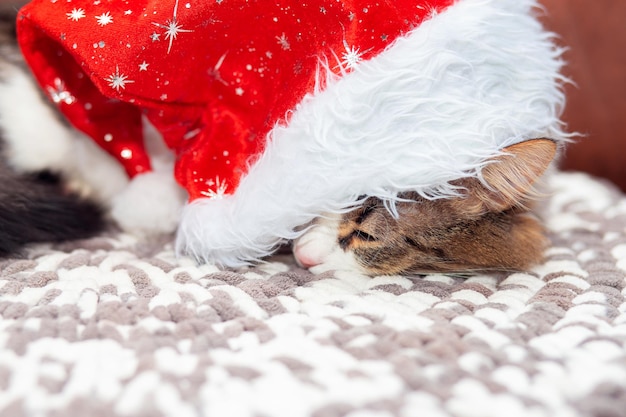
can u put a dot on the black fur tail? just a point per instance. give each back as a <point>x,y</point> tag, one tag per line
<point>38,209</point>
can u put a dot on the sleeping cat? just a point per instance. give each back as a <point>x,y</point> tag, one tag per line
<point>487,227</point>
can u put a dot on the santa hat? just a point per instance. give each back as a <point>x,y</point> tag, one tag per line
<point>281,111</point>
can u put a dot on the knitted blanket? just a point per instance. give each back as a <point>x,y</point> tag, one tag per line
<point>115,326</point>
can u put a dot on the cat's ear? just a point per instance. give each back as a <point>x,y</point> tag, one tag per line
<point>508,179</point>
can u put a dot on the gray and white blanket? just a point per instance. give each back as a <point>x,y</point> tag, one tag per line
<point>114,326</point>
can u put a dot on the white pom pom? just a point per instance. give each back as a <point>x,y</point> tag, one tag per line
<point>151,204</point>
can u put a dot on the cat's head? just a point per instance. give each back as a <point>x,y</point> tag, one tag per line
<point>489,227</point>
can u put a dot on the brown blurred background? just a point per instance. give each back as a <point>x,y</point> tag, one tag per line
<point>595,33</point>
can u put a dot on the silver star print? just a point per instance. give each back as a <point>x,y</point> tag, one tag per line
<point>351,57</point>
<point>172,28</point>
<point>104,19</point>
<point>76,14</point>
<point>117,80</point>
<point>220,189</point>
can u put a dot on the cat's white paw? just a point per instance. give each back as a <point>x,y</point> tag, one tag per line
<point>150,204</point>
<point>318,249</point>
<point>317,243</point>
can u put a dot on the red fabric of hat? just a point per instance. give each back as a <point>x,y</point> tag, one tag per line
<point>212,76</point>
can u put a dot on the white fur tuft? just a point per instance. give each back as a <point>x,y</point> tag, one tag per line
<point>38,139</point>
<point>478,77</point>
<point>151,203</point>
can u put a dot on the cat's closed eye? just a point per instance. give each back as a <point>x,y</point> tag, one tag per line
<point>490,227</point>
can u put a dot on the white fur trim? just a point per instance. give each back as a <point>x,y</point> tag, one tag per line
<point>150,204</point>
<point>479,76</point>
